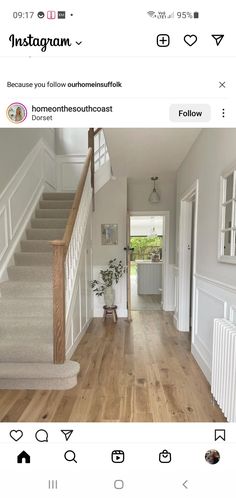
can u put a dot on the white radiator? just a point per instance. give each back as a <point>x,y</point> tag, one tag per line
<point>223,379</point>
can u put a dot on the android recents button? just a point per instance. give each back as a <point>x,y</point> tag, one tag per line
<point>190,113</point>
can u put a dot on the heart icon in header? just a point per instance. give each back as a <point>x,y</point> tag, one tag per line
<point>190,39</point>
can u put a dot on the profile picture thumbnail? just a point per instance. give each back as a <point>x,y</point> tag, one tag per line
<point>212,457</point>
<point>16,112</point>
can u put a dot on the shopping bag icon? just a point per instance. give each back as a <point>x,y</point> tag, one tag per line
<point>165,457</point>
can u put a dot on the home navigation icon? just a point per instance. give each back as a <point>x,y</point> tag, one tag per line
<point>23,457</point>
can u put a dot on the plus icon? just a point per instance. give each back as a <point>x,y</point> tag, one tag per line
<point>163,40</point>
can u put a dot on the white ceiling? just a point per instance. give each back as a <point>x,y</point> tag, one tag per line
<point>143,152</point>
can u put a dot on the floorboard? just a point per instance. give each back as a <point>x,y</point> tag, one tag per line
<point>141,371</point>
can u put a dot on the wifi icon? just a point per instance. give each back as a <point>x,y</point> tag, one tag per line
<point>151,13</point>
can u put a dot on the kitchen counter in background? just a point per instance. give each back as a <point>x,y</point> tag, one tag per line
<point>149,277</point>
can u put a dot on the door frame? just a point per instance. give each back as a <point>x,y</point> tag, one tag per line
<point>165,253</point>
<point>185,230</point>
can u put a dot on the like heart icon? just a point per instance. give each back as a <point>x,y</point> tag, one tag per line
<point>190,39</point>
<point>16,435</point>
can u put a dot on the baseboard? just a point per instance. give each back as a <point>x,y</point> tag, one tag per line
<point>201,362</point>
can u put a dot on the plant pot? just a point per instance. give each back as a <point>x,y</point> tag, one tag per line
<point>109,296</point>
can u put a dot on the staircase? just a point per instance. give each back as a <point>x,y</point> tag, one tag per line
<point>26,306</point>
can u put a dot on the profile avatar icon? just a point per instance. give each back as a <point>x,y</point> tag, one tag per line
<point>212,457</point>
<point>16,112</point>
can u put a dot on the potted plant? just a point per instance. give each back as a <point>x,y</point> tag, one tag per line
<point>108,277</point>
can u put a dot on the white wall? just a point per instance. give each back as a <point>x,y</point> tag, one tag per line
<point>71,141</point>
<point>213,152</point>
<point>139,191</point>
<point>15,145</point>
<point>110,207</point>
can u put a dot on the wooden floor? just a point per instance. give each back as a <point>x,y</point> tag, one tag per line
<point>138,372</point>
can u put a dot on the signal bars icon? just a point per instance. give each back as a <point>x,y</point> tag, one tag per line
<point>161,15</point>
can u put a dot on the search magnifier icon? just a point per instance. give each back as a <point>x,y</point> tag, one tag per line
<point>70,456</point>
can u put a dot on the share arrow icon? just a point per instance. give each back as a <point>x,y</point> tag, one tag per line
<point>67,434</point>
<point>218,38</point>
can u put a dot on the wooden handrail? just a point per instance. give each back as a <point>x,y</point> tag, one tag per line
<point>60,248</point>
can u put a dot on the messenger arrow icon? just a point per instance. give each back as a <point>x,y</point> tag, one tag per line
<point>67,434</point>
<point>218,38</point>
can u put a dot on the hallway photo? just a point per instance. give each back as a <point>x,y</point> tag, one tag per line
<point>117,275</point>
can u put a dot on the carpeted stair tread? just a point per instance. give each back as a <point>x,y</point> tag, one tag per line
<point>49,223</point>
<point>30,273</point>
<point>45,233</point>
<point>16,307</point>
<point>32,325</point>
<point>14,289</point>
<point>55,204</point>
<point>33,258</point>
<point>26,350</point>
<point>52,213</point>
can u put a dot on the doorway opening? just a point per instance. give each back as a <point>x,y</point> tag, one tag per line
<point>147,260</point>
<point>187,260</point>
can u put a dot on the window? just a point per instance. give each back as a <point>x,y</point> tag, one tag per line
<point>227,239</point>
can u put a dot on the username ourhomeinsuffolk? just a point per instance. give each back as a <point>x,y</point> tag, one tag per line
<point>65,108</point>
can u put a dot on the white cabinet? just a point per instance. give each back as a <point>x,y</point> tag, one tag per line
<point>149,277</point>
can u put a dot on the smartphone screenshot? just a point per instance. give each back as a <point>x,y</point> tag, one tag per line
<point>117,249</point>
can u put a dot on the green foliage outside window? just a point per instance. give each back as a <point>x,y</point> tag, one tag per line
<point>144,246</point>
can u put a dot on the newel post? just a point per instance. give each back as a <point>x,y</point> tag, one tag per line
<point>91,144</point>
<point>58,247</point>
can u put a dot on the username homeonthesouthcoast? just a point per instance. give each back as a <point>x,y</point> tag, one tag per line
<point>32,41</point>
